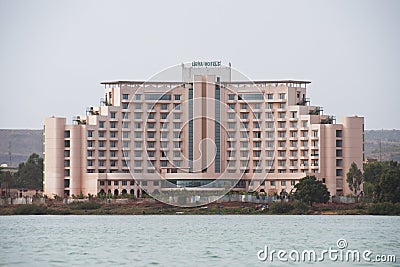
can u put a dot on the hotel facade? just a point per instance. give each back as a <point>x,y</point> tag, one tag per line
<point>204,133</point>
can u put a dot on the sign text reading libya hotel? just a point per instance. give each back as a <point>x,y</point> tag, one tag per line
<point>206,63</point>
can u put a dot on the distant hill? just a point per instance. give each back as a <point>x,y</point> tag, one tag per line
<point>382,144</point>
<point>21,143</point>
<point>25,142</point>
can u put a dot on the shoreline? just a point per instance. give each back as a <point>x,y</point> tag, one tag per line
<point>156,208</point>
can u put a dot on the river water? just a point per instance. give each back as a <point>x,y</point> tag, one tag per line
<point>185,240</point>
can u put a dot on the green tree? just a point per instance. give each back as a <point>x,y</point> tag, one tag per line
<point>388,189</point>
<point>30,173</point>
<point>310,190</point>
<point>354,178</point>
<point>382,181</point>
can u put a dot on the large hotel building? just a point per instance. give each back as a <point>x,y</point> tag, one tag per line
<point>206,132</point>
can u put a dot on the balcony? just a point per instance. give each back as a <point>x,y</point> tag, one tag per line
<point>304,102</point>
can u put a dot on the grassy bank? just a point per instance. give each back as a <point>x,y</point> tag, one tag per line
<point>155,208</point>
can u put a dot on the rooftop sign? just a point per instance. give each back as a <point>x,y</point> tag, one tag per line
<point>206,63</point>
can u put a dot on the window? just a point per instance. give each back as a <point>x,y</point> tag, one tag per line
<point>90,153</point>
<point>125,96</point>
<point>282,96</point>
<point>101,143</point>
<point>338,143</point>
<point>292,182</point>
<point>138,115</point>
<point>90,133</point>
<point>272,183</point>
<point>339,133</point>
<point>177,107</point>
<point>101,153</point>
<point>138,106</point>
<point>125,105</point>
<point>102,183</point>
<point>283,183</point>
<point>112,154</point>
<point>244,106</point>
<point>112,115</point>
<point>66,173</point>
<point>339,172</point>
<point>339,153</point>
<point>101,124</point>
<point>113,134</point>
<point>138,134</point>
<point>150,135</point>
<point>270,96</point>
<point>124,183</point>
<point>66,153</point>
<point>115,182</point>
<point>164,106</point>
<point>177,116</point>
<point>339,162</point>
<point>101,134</point>
<point>232,106</point>
<point>282,115</point>
<point>125,134</point>
<point>67,134</point>
<point>89,144</point>
<point>138,97</point>
<point>113,124</point>
<point>90,162</point>
<point>66,143</point>
<point>231,97</point>
<point>177,97</point>
<point>269,106</point>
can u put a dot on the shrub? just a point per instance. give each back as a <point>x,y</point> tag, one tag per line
<point>280,207</point>
<point>385,208</point>
<point>300,206</point>
<point>28,209</point>
<point>89,205</point>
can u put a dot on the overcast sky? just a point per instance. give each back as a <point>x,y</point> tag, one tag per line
<point>54,54</point>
